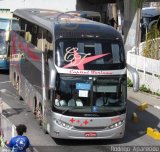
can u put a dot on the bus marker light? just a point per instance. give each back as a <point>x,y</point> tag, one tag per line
<point>115,119</point>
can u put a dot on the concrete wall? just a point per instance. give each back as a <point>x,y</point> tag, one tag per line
<point>130,25</point>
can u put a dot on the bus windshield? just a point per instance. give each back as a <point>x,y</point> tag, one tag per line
<point>89,54</point>
<point>4,24</point>
<point>86,94</point>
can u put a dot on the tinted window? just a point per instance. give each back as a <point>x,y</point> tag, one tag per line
<point>85,54</point>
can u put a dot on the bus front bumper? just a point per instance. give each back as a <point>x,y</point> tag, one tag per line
<point>64,133</point>
<point>4,64</point>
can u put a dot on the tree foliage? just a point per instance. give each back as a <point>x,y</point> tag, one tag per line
<point>138,3</point>
<point>151,49</point>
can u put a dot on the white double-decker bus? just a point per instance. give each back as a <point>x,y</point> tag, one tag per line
<point>72,74</point>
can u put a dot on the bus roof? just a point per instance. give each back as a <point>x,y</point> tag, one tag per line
<point>150,11</point>
<point>87,13</point>
<point>64,23</point>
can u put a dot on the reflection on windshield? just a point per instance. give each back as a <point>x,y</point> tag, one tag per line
<point>84,54</point>
<point>74,93</point>
<point>3,50</point>
<point>4,24</point>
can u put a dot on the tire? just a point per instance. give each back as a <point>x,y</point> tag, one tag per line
<point>44,128</point>
<point>17,91</point>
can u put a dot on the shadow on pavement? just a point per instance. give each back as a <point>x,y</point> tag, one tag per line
<point>5,72</point>
<point>13,111</point>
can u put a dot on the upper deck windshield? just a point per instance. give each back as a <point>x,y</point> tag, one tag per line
<point>90,54</point>
<point>4,24</point>
<point>90,95</point>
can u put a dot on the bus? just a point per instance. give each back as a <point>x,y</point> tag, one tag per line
<point>6,25</point>
<point>91,15</point>
<point>150,16</point>
<point>57,57</point>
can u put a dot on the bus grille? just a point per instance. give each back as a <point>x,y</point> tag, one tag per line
<point>89,128</point>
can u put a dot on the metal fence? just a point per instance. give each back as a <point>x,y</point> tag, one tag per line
<point>8,130</point>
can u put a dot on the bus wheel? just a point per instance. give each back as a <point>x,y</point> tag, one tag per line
<point>18,90</point>
<point>35,109</point>
<point>14,81</point>
<point>40,115</point>
<point>44,128</point>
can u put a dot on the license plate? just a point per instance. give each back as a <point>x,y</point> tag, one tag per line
<point>90,134</point>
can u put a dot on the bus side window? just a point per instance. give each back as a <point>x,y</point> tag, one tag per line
<point>28,36</point>
<point>15,26</point>
<point>34,35</point>
<point>41,39</point>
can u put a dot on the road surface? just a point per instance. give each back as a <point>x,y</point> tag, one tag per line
<point>18,112</point>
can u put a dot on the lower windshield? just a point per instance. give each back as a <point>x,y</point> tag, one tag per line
<point>90,94</point>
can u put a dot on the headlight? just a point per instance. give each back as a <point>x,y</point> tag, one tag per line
<point>117,124</point>
<point>63,124</point>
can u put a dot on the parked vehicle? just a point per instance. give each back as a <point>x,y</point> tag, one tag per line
<point>6,26</point>
<point>61,66</point>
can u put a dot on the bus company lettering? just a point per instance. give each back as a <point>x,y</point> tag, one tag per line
<point>100,72</point>
<point>90,72</point>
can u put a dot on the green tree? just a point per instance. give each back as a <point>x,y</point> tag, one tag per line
<point>138,3</point>
<point>151,49</point>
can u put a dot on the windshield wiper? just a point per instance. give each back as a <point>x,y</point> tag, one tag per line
<point>71,108</point>
<point>116,111</point>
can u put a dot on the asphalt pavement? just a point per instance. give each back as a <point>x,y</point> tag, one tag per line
<point>142,97</point>
<point>18,112</point>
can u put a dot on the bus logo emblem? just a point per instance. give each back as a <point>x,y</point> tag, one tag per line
<point>77,59</point>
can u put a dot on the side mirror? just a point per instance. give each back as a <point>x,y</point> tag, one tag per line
<point>51,95</point>
<point>135,77</point>
<point>52,74</point>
